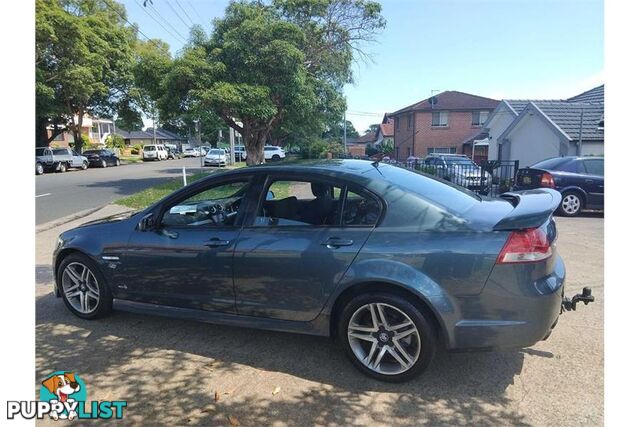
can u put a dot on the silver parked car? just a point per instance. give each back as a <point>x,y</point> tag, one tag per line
<point>216,157</point>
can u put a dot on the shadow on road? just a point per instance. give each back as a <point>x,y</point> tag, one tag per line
<point>153,359</point>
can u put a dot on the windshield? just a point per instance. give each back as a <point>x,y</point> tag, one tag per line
<point>91,152</point>
<point>60,151</point>
<point>150,148</point>
<point>446,194</point>
<point>217,152</point>
<point>40,151</point>
<point>459,161</point>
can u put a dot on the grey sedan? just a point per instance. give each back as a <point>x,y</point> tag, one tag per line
<point>392,263</point>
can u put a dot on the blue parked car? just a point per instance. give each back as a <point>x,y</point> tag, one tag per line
<point>391,262</point>
<point>580,180</point>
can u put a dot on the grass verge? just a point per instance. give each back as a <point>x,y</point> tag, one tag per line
<point>144,198</point>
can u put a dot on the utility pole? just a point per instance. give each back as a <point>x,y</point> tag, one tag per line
<point>232,146</point>
<point>154,127</point>
<point>197,123</point>
<point>344,132</point>
<point>580,133</point>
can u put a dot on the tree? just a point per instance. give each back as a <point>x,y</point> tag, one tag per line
<point>372,128</point>
<point>83,62</point>
<point>335,130</point>
<point>267,70</point>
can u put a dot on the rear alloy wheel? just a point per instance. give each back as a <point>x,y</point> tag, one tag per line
<point>39,169</point>
<point>83,288</point>
<point>117,162</point>
<point>63,167</point>
<point>387,337</point>
<point>103,163</point>
<point>85,165</point>
<point>571,204</point>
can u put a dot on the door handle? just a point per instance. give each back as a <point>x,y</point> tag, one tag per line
<point>336,242</point>
<point>216,243</point>
<point>169,234</point>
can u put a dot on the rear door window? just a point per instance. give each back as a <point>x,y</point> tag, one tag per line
<point>594,166</point>
<point>360,209</point>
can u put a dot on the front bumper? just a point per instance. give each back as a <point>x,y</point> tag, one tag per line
<point>209,162</point>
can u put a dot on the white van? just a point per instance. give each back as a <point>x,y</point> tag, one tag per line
<point>154,152</point>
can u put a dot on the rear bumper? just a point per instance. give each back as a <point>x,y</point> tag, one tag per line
<point>513,316</point>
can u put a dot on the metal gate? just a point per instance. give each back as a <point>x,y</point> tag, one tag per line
<point>489,178</point>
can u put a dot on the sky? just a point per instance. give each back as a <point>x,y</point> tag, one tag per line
<point>502,49</point>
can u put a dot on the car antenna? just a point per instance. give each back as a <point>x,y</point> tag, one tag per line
<point>375,164</point>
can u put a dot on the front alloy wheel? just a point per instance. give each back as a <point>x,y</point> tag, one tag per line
<point>387,337</point>
<point>83,288</point>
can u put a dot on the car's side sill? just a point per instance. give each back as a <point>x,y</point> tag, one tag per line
<point>311,328</point>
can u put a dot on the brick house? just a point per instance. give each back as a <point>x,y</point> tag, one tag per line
<point>441,124</point>
<point>96,129</point>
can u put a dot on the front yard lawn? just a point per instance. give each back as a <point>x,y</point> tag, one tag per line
<point>144,198</point>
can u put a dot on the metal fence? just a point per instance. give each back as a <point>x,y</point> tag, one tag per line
<point>489,178</point>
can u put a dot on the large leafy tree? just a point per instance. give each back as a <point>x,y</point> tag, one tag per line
<point>84,62</point>
<point>269,71</point>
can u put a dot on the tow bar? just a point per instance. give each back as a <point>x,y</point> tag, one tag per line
<point>585,297</point>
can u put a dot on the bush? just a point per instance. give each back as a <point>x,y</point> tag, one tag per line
<point>136,149</point>
<point>115,141</point>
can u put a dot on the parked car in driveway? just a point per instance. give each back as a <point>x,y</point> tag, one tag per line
<point>460,170</point>
<point>102,158</point>
<point>240,153</point>
<point>389,261</point>
<point>60,159</point>
<point>190,152</point>
<point>216,157</point>
<point>273,153</point>
<point>154,152</point>
<point>580,180</point>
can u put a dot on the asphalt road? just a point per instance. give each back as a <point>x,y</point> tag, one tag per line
<point>62,194</point>
<point>177,372</point>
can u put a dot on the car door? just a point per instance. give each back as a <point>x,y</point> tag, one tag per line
<point>294,250</point>
<point>594,182</point>
<point>185,258</point>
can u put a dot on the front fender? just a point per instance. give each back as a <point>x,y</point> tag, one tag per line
<point>410,279</point>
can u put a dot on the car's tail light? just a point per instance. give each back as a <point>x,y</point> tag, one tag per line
<point>547,180</point>
<point>528,245</point>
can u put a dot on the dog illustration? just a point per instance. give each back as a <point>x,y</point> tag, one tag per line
<point>62,385</point>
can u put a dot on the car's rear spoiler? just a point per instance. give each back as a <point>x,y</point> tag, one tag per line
<point>531,208</point>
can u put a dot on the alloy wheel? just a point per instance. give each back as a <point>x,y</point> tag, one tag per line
<point>80,287</point>
<point>571,204</point>
<point>384,338</point>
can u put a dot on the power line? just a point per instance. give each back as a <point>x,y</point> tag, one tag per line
<point>185,13</point>
<point>176,13</point>
<point>197,14</point>
<point>176,36</point>
<point>161,16</point>
<point>135,27</point>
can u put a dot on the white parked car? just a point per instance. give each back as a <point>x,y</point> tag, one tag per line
<point>271,152</point>
<point>240,153</point>
<point>216,157</point>
<point>190,152</point>
<point>154,152</point>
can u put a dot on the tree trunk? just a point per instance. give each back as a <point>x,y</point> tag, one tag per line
<point>42,138</point>
<point>254,144</point>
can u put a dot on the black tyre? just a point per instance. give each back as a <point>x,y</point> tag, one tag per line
<point>117,162</point>
<point>386,336</point>
<point>85,166</point>
<point>103,163</point>
<point>39,169</point>
<point>62,167</point>
<point>275,157</point>
<point>83,287</point>
<point>572,204</point>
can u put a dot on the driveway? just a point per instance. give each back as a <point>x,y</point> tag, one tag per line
<point>170,370</point>
<point>61,194</point>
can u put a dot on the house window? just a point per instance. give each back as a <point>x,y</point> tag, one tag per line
<point>440,119</point>
<point>441,150</point>
<point>409,122</point>
<point>478,118</point>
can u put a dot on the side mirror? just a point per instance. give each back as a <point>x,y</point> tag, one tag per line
<point>270,195</point>
<point>146,223</point>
